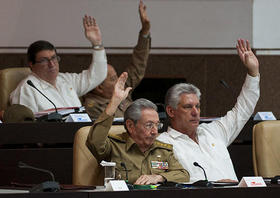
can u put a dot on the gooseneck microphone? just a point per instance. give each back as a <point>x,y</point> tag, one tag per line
<point>126,172</point>
<point>23,165</point>
<point>55,116</point>
<point>130,186</point>
<point>47,186</point>
<point>196,164</point>
<point>224,84</point>
<point>202,183</point>
<point>29,82</point>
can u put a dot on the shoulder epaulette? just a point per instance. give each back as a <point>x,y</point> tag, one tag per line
<point>163,145</point>
<point>120,137</point>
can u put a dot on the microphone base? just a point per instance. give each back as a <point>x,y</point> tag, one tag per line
<point>52,117</point>
<point>48,186</point>
<point>202,183</point>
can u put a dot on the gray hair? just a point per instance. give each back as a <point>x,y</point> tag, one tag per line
<point>133,112</point>
<point>173,94</point>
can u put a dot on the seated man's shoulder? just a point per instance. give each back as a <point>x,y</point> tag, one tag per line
<point>163,145</point>
<point>92,100</point>
<point>121,137</point>
<point>165,137</point>
<point>22,85</point>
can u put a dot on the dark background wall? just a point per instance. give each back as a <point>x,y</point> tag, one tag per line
<point>205,71</point>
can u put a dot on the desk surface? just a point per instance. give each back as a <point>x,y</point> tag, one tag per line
<point>175,193</point>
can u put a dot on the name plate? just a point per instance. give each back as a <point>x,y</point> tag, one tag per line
<point>252,182</point>
<point>264,116</point>
<point>116,185</point>
<point>78,117</point>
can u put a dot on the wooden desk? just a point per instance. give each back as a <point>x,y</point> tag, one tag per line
<point>175,193</point>
<point>18,142</point>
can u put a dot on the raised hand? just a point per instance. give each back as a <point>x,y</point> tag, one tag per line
<point>92,31</point>
<point>247,57</point>
<point>120,93</point>
<point>144,19</point>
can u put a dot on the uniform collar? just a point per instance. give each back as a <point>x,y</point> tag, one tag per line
<point>130,142</point>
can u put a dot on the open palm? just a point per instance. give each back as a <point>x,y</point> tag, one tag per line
<point>92,31</point>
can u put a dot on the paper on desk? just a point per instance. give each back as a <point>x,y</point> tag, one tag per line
<point>12,191</point>
<point>120,119</point>
<point>62,111</point>
<point>104,163</point>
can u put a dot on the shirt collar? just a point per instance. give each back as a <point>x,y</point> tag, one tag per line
<point>176,134</point>
<point>44,84</point>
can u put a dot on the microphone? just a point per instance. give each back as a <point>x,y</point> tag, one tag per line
<point>55,116</point>
<point>126,172</point>
<point>202,183</point>
<point>224,84</point>
<point>23,165</point>
<point>48,186</point>
<point>196,164</point>
<point>130,186</point>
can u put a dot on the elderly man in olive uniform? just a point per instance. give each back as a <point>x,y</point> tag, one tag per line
<point>147,160</point>
<point>96,101</point>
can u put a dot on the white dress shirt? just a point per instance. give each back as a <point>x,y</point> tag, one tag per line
<point>214,138</point>
<point>69,86</point>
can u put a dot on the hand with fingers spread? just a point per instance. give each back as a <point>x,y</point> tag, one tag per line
<point>144,19</point>
<point>248,57</point>
<point>120,93</point>
<point>149,179</point>
<point>92,31</point>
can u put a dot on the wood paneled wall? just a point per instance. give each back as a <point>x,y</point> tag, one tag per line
<point>205,71</point>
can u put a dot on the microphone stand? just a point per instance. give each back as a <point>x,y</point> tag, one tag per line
<point>130,186</point>
<point>47,186</point>
<point>54,116</point>
<point>202,183</point>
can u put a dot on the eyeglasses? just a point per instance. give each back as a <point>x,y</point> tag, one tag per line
<point>151,125</point>
<point>46,61</point>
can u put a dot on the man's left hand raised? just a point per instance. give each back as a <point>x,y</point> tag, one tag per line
<point>144,19</point>
<point>248,57</point>
<point>92,31</point>
<point>120,93</point>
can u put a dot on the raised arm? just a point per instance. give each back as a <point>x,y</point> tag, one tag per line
<point>248,57</point>
<point>137,68</point>
<point>97,70</point>
<point>97,140</point>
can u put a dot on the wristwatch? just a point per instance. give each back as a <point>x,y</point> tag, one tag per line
<point>98,47</point>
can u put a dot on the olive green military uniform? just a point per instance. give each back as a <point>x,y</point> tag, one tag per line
<point>95,104</point>
<point>121,148</point>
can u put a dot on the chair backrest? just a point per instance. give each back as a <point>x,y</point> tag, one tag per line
<point>266,148</point>
<point>9,79</point>
<point>86,169</point>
